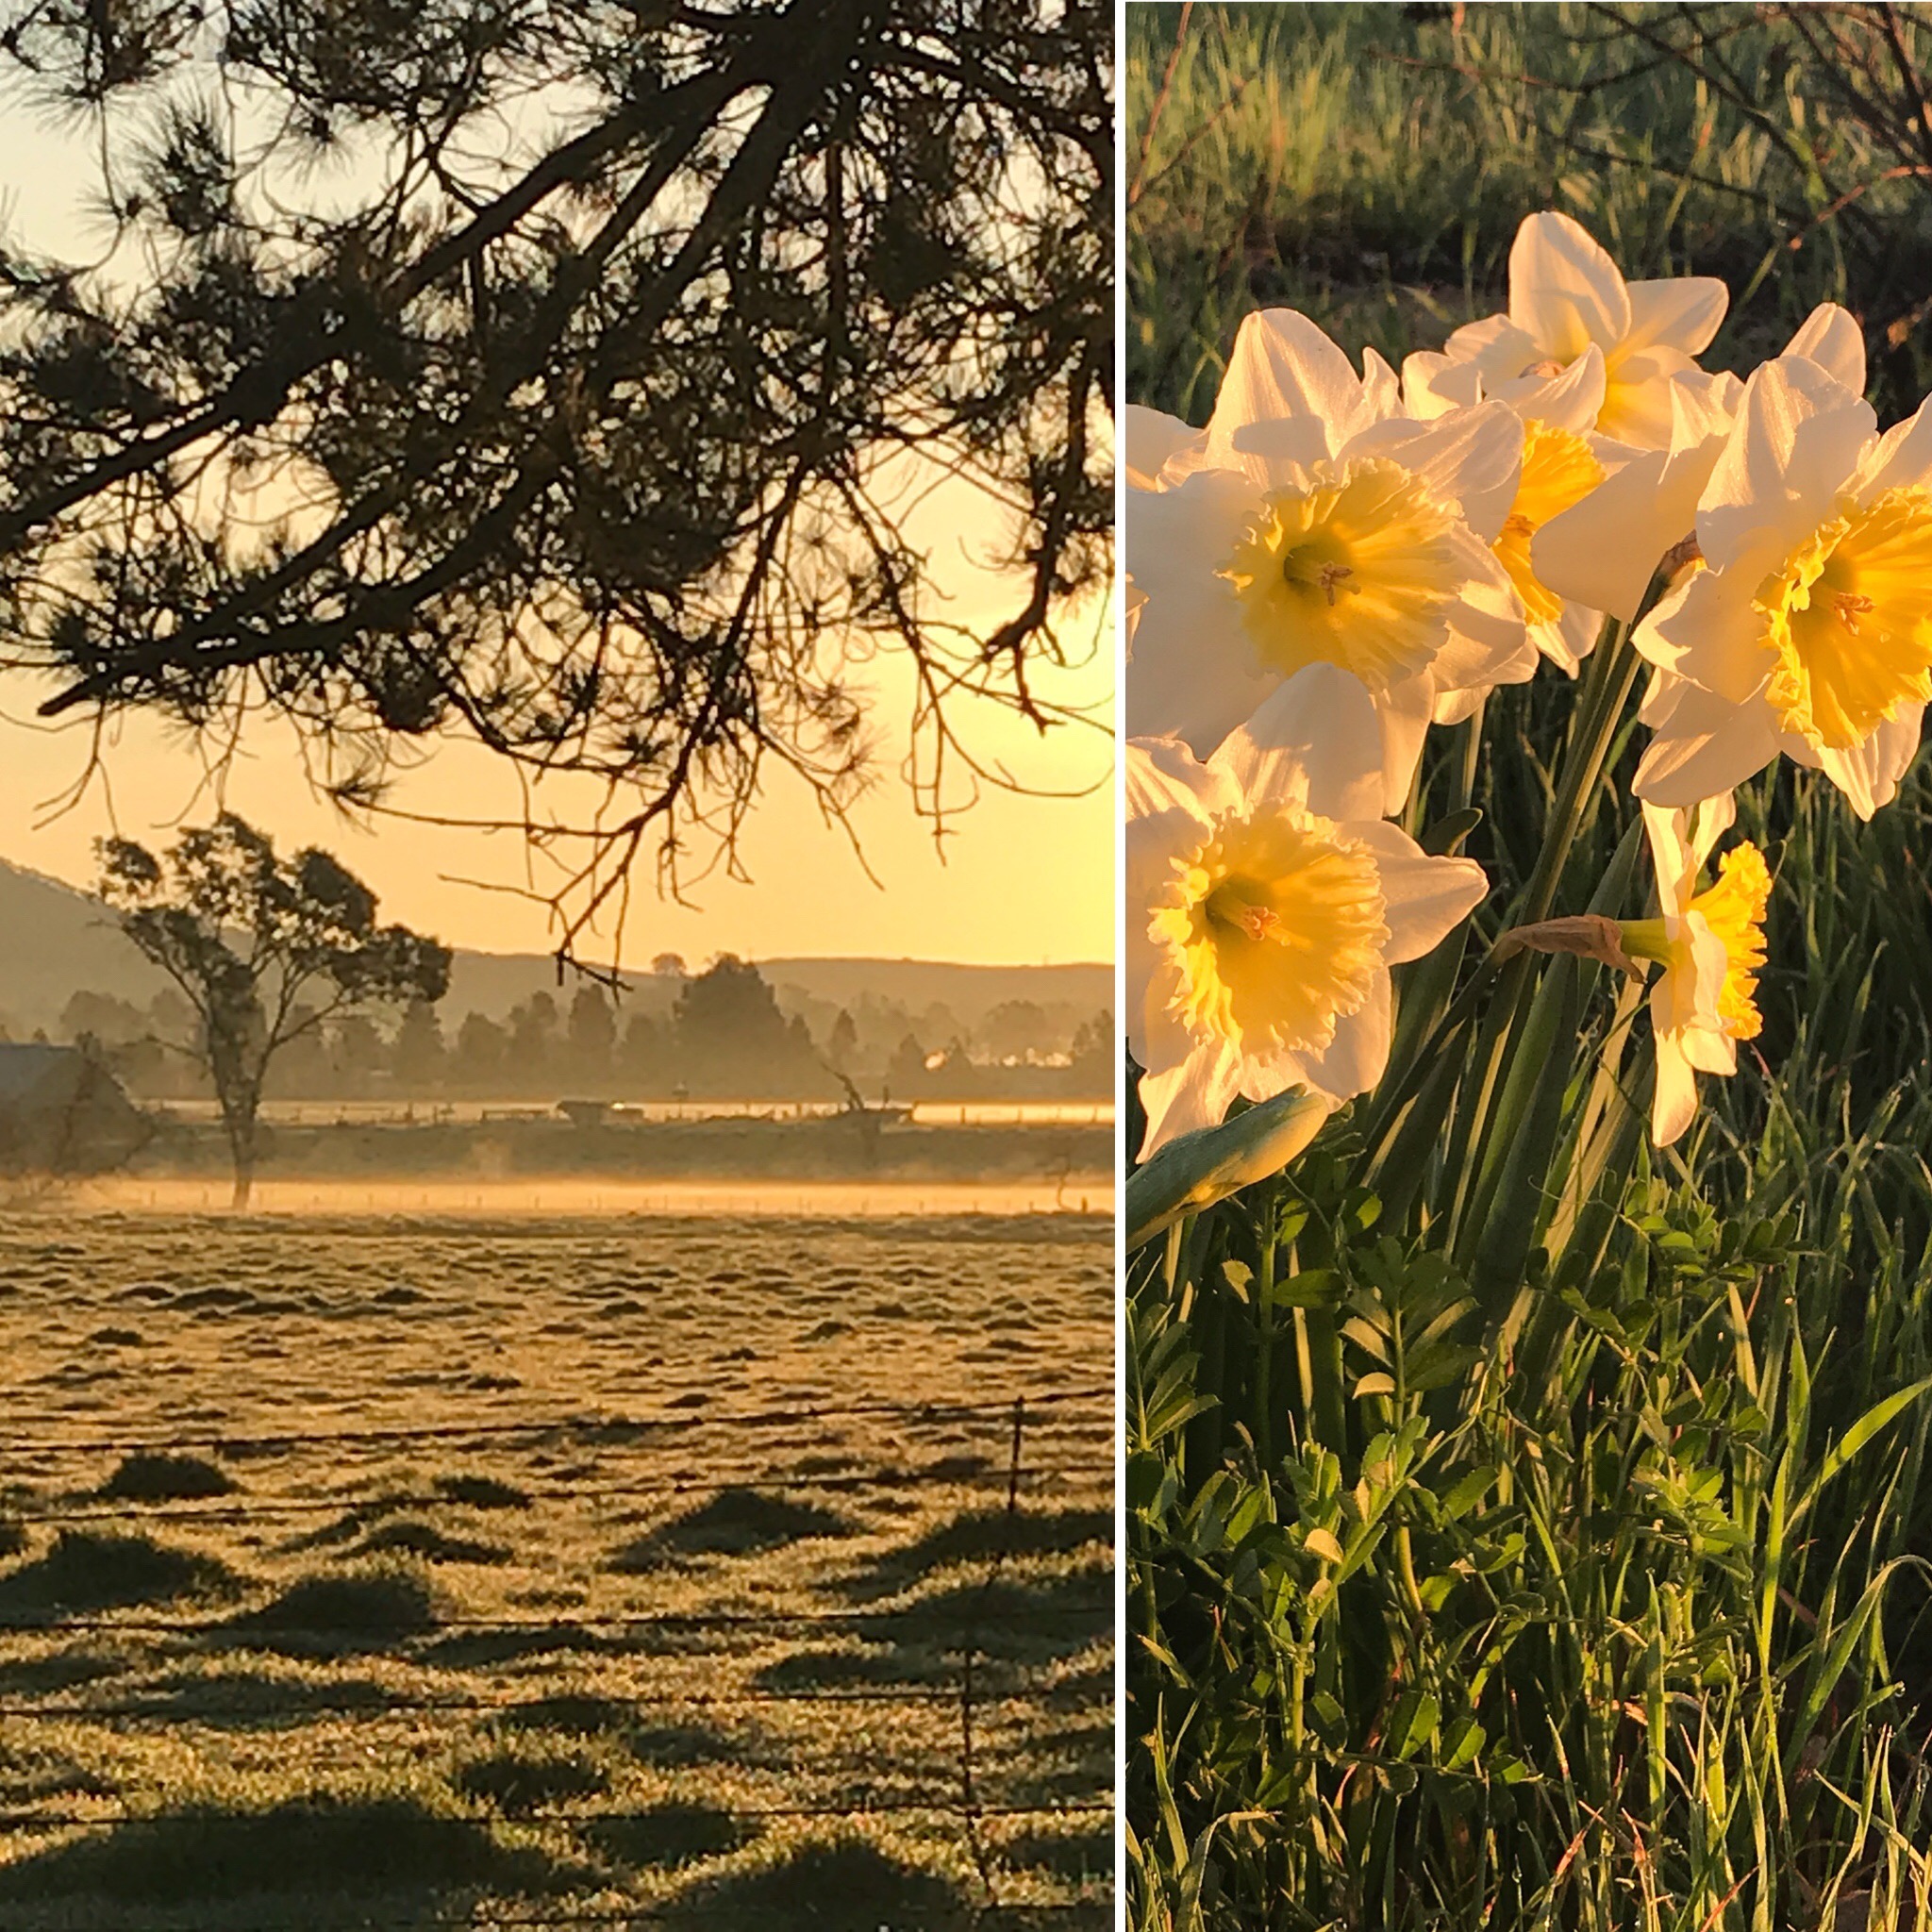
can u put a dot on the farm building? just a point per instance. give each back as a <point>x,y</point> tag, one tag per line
<point>62,1112</point>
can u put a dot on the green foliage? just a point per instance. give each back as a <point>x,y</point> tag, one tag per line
<point>1369,164</point>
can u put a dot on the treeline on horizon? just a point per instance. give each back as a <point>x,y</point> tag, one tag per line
<point>719,1033</point>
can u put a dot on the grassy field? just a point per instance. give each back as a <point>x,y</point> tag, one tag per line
<point>1633,1627</point>
<point>553,1572</point>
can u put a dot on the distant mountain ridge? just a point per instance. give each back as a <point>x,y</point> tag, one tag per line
<point>55,941</point>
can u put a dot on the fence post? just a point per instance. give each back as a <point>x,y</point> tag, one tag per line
<point>969,1800</point>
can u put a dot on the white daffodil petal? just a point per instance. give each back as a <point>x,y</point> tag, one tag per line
<point>1568,642</point>
<point>1432,385</point>
<point>1283,365</point>
<point>1708,1051</point>
<point>1489,642</point>
<point>1564,290</point>
<point>1495,348</point>
<point>1424,897</point>
<point>1605,550</point>
<point>1354,1059</point>
<point>1868,773</point>
<point>1163,774</point>
<point>1313,743</point>
<point>1710,631</point>
<point>1473,459</point>
<point>1830,338</point>
<point>1637,407</point>
<point>1713,819</point>
<point>1149,438</point>
<point>1902,458</point>
<point>1673,1105</point>
<point>1196,1093</point>
<point>1381,386</point>
<point>1705,747</point>
<point>1404,713</point>
<point>1683,313</point>
<point>1572,400</point>
<point>1454,707</point>
<point>1797,439</point>
<point>1670,857</point>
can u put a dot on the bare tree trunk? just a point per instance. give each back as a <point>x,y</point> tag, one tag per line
<point>240,1120</point>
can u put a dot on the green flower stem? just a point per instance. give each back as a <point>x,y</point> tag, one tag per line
<point>1264,1333</point>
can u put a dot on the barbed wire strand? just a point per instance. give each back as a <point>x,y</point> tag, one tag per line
<point>573,1814</point>
<point>760,1475</point>
<point>243,1628</point>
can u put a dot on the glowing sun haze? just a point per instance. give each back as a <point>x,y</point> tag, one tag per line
<point>1024,879</point>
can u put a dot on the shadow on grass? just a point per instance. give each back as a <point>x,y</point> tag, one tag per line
<point>846,1886</point>
<point>669,1836</point>
<point>518,1783</point>
<point>1083,1858</point>
<point>86,1570</point>
<point>482,1492</point>
<point>337,1853</point>
<point>65,1670</point>
<point>735,1522</point>
<point>843,1670</point>
<point>1009,1620</point>
<point>670,1746</point>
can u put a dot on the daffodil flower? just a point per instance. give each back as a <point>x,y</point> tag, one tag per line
<point>1809,632</point>
<point>1312,522</point>
<point>1565,296</point>
<point>1711,945</point>
<point>1606,549</point>
<point>1267,900</point>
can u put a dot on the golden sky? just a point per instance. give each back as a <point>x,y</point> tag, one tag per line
<point>1023,881</point>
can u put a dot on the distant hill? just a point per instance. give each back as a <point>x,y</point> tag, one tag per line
<point>56,941</point>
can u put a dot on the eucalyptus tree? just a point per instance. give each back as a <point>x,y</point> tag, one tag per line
<point>266,951</point>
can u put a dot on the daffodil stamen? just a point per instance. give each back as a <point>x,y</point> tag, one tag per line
<point>1358,569</point>
<point>1278,930</point>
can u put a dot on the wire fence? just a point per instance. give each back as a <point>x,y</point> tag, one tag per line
<point>971,1642</point>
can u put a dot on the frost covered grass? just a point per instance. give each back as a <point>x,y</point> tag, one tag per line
<point>301,1671</point>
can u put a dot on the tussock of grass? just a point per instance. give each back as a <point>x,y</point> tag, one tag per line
<point>410,1538</point>
<point>92,1569</point>
<point>325,1615</point>
<point>482,1492</point>
<point>154,1477</point>
<point>735,1522</point>
<point>982,1535</point>
<point>838,1887</point>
